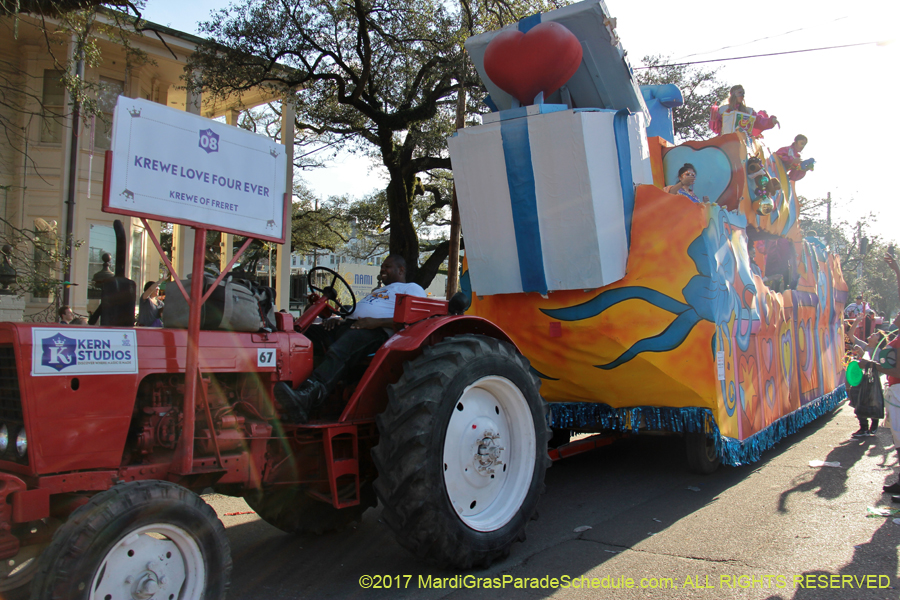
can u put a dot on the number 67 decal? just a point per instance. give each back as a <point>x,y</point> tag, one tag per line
<point>265,357</point>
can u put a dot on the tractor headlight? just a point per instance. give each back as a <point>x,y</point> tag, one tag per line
<point>21,443</point>
<point>4,438</point>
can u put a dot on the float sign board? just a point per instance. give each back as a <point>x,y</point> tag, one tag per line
<point>83,351</point>
<point>180,168</point>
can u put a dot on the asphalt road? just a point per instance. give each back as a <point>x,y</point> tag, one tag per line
<point>777,529</point>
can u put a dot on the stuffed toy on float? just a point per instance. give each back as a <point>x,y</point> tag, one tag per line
<point>638,309</point>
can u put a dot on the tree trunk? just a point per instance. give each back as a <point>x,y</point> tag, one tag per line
<point>404,240</point>
<point>431,266</point>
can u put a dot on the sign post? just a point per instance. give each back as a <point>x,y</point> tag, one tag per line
<point>181,168</point>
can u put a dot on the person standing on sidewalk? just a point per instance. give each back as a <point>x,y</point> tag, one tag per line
<point>892,396</point>
<point>863,402</point>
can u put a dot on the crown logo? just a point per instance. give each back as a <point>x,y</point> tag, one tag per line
<point>59,340</point>
<point>134,112</point>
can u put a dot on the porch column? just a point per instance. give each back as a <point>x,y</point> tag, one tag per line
<point>183,237</point>
<point>283,261</point>
<point>226,240</point>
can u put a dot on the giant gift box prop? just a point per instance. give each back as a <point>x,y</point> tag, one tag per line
<point>546,198</point>
<point>604,78</point>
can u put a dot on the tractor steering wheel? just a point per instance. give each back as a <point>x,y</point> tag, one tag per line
<point>330,293</point>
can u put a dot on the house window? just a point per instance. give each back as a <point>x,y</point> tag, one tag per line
<point>110,90</point>
<point>102,240</point>
<point>137,255</point>
<point>53,99</point>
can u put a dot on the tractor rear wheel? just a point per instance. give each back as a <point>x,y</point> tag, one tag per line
<point>462,451</point>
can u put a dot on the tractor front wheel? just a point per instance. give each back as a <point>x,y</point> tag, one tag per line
<point>145,539</point>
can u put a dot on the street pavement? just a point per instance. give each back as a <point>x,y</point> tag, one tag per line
<point>778,529</point>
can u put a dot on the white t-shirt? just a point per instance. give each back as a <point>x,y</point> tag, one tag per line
<point>853,309</point>
<point>381,302</point>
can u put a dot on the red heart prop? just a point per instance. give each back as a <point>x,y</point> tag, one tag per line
<point>526,64</point>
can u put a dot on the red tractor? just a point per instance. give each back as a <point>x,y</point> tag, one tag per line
<point>100,472</point>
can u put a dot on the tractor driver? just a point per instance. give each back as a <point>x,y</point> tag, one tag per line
<point>348,340</point>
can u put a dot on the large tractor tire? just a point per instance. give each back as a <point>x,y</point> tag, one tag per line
<point>462,452</point>
<point>701,453</point>
<point>145,539</point>
<point>291,510</point>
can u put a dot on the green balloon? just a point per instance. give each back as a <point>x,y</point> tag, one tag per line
<point>854,373</point>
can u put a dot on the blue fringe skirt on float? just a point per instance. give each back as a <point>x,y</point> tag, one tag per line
<point>732,452</point>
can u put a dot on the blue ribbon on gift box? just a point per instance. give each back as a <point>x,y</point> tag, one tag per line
<point>523,195</point>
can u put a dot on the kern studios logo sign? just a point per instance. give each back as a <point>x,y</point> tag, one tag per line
<point>58,352</point>
<point>87,351</point>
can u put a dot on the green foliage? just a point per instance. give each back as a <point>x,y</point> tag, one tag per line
<point>87,29</point>
<point>430,215</point>
<point>56,8</point>
<point>319,224</point>
<point>865,274</point>
<point>266,120</point>
<point>86,23</point>
<point>38,256</point>
<point>700,87</point>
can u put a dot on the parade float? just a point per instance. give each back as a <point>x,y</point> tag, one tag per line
<point>641,310</point>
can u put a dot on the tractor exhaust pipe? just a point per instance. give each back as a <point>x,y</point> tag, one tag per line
<point>121,247</point>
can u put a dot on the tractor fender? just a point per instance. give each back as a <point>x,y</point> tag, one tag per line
<point>370,397</point>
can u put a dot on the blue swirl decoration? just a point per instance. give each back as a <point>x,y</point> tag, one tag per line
<point>709,296</point>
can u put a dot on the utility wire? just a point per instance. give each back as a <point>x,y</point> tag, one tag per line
<point>700,62</point>
<point>770,37</point>
<point>317,149</point>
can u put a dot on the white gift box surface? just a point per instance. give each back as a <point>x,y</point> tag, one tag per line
<point>546,199</point>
